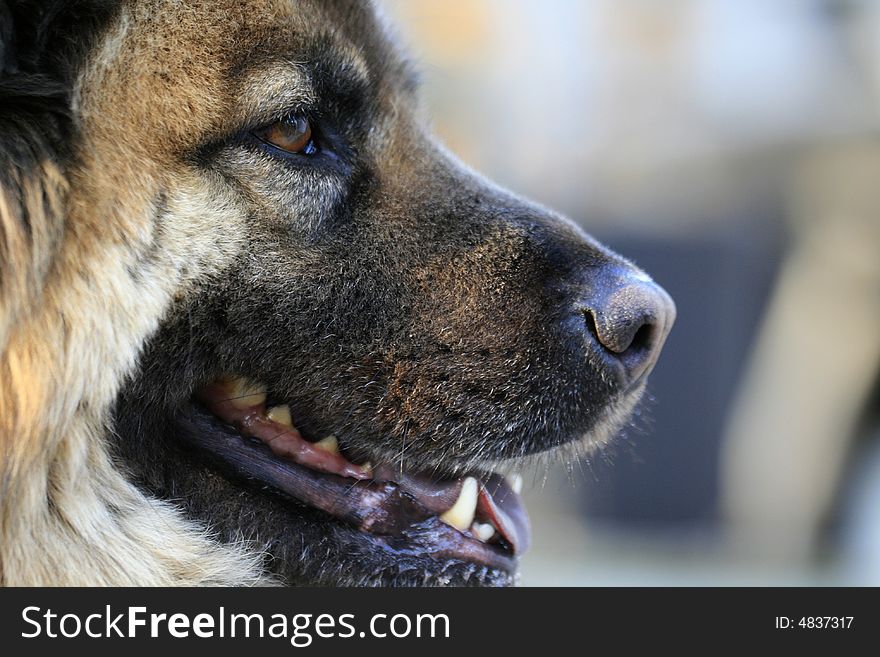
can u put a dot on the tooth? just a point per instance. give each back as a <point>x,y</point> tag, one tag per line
<point>367,467</point>
<point>245,394</point>
<point>328,444</point>
<point>483,531</point>
<point>515,481</point>
<point>461,515</point>
<point>281,415</point>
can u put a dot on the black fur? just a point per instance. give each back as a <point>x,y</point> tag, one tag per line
<point>42,46</point>
<point>390,296</point>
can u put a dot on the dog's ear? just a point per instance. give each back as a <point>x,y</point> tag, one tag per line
<point>33,119</point>
<point>42,43</point>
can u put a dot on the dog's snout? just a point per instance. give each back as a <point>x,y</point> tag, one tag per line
<point>627,316</point>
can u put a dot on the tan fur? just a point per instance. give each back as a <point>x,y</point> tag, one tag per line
<point>96,256</point>
<point>73,320</point>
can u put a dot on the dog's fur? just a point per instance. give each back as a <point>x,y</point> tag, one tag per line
<point>148,245</point>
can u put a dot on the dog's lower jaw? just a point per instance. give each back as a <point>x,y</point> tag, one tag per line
<point>306,546</point>
<point>412,529</point>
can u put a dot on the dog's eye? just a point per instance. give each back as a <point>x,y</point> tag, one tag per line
<point>292,134</point>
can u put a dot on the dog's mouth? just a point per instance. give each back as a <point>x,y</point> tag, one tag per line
<point>478,518</point>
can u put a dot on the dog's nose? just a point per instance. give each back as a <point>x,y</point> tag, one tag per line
<point>628,316</point>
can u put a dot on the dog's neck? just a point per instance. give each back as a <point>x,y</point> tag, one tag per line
<point>63,499</point>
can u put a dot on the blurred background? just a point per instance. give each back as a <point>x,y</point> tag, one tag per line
<point>731,148</point>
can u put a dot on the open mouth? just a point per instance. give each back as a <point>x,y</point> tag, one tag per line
<point>478,518</point>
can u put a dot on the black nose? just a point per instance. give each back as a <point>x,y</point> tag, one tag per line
<point>628,316</point>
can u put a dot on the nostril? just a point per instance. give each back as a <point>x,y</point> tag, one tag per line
<point>626,321</point>
<point>630,345</point>
<point>620,339</point>
<point>590,322</point>
<point>642,339</point>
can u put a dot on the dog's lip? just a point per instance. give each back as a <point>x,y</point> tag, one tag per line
<point>386,503</point>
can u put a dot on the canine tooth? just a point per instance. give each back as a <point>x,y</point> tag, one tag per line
<point>328,444</point>
<point>483,531</point>
<point>367,467</point>
<point>461,515</point>
<point>516,482</point>
<point>281,415</point>
<point>246,394</point>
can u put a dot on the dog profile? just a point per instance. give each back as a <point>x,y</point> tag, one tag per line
<point>257,326</point>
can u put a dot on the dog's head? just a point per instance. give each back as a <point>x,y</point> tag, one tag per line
<point>340,331</point>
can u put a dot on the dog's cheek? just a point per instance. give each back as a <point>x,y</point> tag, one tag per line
<point>204,229</point>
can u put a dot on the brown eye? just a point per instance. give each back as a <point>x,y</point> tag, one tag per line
<point>292,134</point>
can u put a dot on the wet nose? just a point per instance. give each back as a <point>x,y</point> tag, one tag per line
<point>627,316</point>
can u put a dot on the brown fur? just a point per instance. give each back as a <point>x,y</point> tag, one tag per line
<point>145,250</point>
<point>74,319</point>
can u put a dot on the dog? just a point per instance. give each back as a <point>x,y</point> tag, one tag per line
<point>257,326</point>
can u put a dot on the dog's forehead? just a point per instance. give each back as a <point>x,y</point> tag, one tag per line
<point>178,69</point>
